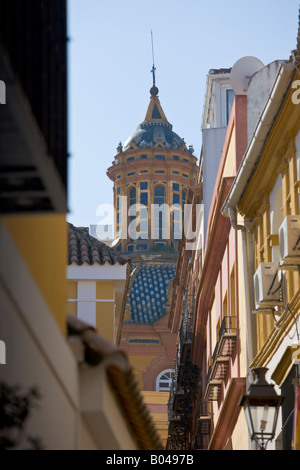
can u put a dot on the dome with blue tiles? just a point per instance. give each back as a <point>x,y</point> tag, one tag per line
<point>154,129</point>
<point>148,296</point>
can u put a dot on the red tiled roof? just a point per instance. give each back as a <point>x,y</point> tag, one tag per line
<point>85,248</point>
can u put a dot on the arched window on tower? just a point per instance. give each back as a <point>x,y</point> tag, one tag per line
<point>132,197</point>
<point>164,381</point>
<point>159,199</point>
<point>183,198</point>
<point>132,202</point>
<point>183,203</point>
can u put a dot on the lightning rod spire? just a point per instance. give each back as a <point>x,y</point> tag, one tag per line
<point>154,89</point>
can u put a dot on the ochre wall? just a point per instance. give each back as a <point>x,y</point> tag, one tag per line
<point>157,403</point>
<point>42,243</point>
<point>105,311</point>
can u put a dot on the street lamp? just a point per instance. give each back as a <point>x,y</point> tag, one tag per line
<point>261,407</point>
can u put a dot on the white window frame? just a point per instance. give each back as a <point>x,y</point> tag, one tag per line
<point>158,387</point>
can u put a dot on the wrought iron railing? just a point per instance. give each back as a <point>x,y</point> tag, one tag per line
<point>187,323</point>
<point>215,353</point>
<point>228,325</point>
<point>205,408</point>
<point>184,382</point>
<point>173,388</point>
<point>208,375</point>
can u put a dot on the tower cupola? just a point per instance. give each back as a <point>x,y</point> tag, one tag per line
<point>153,167</point>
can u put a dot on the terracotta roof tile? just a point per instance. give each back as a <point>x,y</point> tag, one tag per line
<point>85,248</point>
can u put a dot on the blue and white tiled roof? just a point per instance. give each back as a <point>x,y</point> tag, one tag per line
<point>148,295</point>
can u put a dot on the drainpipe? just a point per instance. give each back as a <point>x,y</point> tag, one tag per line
<point>248,265</point>
<point>247,246</point>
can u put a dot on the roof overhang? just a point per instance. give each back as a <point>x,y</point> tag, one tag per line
<point>97,272</point>
<point>229,414</point>
<point>256,145</point>
<point>29,180</point>
<point>101,410</point>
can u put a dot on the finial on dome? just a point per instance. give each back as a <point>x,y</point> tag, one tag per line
<point>154,89</point>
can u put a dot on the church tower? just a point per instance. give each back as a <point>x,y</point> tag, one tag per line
<point>152,173</point>
<point>153,167</point>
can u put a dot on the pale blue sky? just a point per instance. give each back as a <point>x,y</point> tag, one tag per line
<point>110,60</point>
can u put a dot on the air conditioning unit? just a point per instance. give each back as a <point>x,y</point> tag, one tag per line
<point>289,240</point>
<point>268,286</point>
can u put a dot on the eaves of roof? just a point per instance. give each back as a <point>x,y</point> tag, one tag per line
<point>120,374</point>
<point>85,248</point>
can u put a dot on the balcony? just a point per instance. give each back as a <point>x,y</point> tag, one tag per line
<point>204,418</point>
<point>180,401</point>
<point>183,392</point>
<point>213,390</point>
<point>173,390</point>
<point>221,358</point>
<point>184,388</point>
<point>227,336</point>
<point>187,324</point>
<point>214,387</point>
<point>220,365</point>
<point>177,431</point>
<point>176,435</point>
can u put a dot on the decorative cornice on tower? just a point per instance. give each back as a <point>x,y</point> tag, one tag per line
<point>155,114</point>
<point>155,127</point>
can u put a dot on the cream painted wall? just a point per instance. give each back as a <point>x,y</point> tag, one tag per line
<point>239,438</point>
<point>27,365</point>
<point>102,416</point>
<point>242,308</point>
<point>297,144</point>
<point>213,325</point>
<point>230,163</point>
<point>86,440</point>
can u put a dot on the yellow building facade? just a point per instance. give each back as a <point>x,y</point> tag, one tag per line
<point>27,232</point>
<point>98,280</point>
<point>265,195</point>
